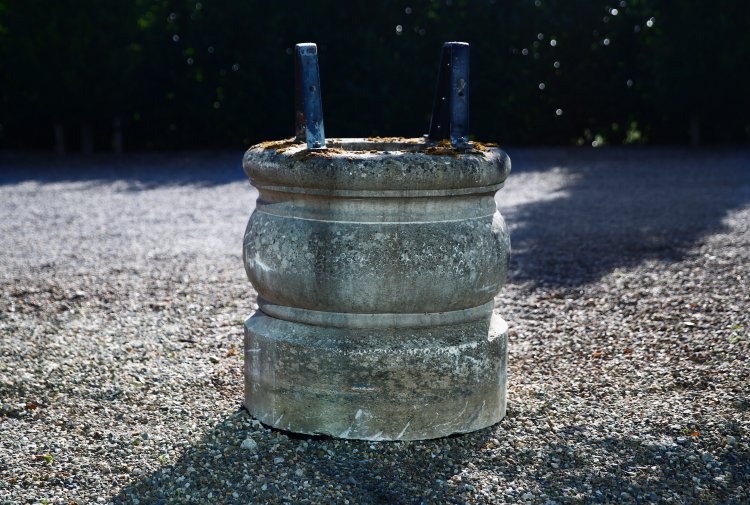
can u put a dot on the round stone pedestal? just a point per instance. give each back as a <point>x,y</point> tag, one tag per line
<point>376,383</point>
<point>376,264</point>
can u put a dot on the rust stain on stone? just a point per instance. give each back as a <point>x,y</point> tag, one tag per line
<point>278,145</point>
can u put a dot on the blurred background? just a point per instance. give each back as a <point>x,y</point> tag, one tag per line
<point>94,75</point>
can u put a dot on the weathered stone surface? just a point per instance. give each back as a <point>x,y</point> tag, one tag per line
<point>376,383</point>
<point>376,264</point>
<point>376,167</point>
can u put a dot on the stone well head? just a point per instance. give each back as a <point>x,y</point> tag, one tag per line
<point>376,262</point>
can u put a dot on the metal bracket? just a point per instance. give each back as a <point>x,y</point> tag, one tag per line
<point>450,111</point>
<point>308,105</point>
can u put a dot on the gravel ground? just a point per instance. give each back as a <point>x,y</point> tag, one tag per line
<point>121,308</point>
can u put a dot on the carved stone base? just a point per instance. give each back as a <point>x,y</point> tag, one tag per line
<point>386,383</point>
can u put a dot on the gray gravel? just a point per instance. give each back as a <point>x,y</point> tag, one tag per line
<point>121,308</point>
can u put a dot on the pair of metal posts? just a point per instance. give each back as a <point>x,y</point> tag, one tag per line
<point>450,110</point>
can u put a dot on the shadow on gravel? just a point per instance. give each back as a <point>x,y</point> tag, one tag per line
<point>624,470</point>
<point>313,469</point>
<point>577,214</point>
<point>142,171</point>
<point>292,469</point>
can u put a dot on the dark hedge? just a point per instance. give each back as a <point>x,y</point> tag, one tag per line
<point>218,73</point>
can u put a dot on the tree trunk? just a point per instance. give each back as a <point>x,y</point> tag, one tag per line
<point>59,139</point>
<point>87,139</point>
<point>695,131</point>
<point>117,136</point>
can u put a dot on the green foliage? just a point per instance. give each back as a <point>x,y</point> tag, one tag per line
<point>190,73</point>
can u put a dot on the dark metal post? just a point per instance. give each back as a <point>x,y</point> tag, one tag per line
<point>308,105</point>
<point>450,111</point>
